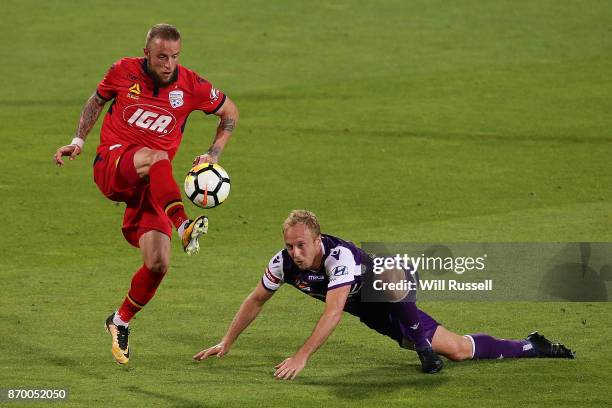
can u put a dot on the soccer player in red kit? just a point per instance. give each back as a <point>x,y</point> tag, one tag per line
<point>142,130</point>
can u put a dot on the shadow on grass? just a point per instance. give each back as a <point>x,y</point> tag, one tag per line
<point>171,400</point>
<point>378,381</point>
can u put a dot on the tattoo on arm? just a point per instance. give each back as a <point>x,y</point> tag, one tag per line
<point>98,99</point>
<point>227,124</point>
<point>213,151</point>
<point>89,115</point>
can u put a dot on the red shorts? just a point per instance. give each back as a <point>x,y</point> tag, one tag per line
<point>116,177</point>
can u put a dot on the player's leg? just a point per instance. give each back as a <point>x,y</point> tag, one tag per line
<point>483,346</point>
<point>404,311</point>
<point>478,346</point>
<point>409,318</point>
<point>408,314</point>
<point>535,345</point>
<point>384,317</point>
<point>489,347</point>
<point>155,249</point>
<point>451,345</point>
<point>155,164</point>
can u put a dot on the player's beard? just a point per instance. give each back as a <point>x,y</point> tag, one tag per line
<point>302,265</point>
<point>159,81</point>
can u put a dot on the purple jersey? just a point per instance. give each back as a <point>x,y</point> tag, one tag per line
<point>340,266</point>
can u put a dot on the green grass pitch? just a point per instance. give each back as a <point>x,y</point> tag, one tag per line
<point>392,120</point>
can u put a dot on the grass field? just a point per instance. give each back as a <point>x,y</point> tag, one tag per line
<point>394,121</point>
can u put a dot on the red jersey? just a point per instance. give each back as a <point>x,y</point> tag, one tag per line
<point>147,115</point>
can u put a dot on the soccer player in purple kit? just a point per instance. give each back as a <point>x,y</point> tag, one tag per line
<point>330,269</point>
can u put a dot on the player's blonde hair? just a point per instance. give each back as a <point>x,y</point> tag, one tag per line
<point>163,31</point>
<point>303,217</point>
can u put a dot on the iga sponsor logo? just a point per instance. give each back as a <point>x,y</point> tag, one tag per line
<point>149,117</point>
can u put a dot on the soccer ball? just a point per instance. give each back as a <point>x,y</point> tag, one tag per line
<point>207,185</point>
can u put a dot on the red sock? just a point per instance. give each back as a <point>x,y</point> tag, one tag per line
<point>144,285</point>
<point>165,191</point>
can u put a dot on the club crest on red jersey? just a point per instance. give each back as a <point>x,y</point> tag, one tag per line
<point>176,98</point>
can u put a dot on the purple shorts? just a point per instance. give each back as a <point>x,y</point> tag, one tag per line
<point>377,316</point>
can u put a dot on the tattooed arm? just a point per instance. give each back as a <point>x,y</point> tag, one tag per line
<point>228,115</point>
<point>89,116</point>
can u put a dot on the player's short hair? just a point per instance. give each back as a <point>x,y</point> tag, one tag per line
<point>163,31</point>
<point>303,217</point>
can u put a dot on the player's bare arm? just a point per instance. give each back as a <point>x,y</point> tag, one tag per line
<point>228,118</point>
<point>334,307</point>
<point>89,115</point>
<point>250,308</point>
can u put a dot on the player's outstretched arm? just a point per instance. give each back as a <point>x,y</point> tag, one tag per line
<point>228,115</point>
<point>289,368</point>
<point>89,116</point>
<point>250,308</point>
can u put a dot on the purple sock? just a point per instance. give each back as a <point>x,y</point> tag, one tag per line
<point>488,347</point>
<point>408,315</point>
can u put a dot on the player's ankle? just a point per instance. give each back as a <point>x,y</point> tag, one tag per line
<point>118,321</point>
<point>181,229</point>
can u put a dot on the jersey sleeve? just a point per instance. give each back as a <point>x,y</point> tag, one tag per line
<point>109,86</point>
<point>273,275</point>
<point>340,267</point>
<point>208,98</point>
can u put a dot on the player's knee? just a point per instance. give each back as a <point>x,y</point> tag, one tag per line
<point>158,155</point>
<point>158,265</point>
<point>461,351</point>
<point>145,158</point>
<point>153,156</point>
<point>458,350</point>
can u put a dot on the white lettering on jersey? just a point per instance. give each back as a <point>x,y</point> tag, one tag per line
<point>150,117</point>
<point>135,116</point>
<point>160,124</point>
<point>145,120</point>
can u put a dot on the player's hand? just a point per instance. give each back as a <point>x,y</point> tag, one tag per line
<point>289,368</point>
<point>218,350</point>
<point>71,150</point>
<point>205,158</point>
